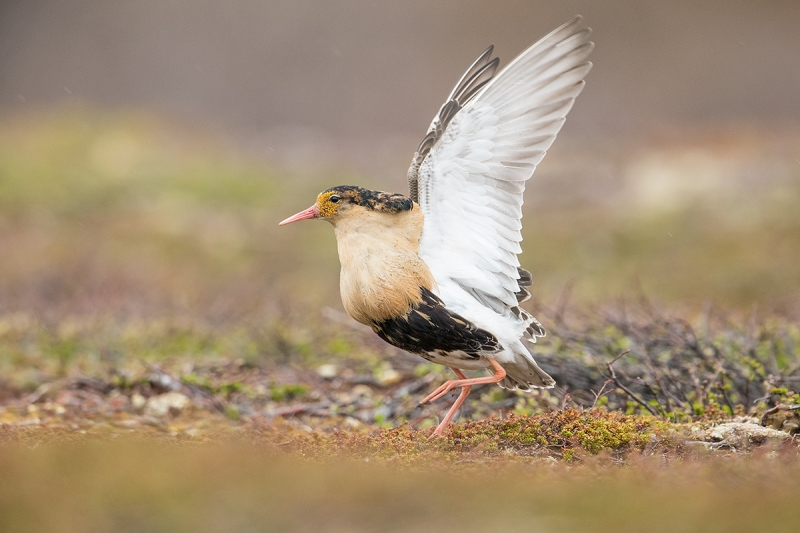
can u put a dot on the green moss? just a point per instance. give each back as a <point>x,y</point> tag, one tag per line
<point>572,435</point>
<point>592,431</point>
<point>232,412</point>
<point>229,388</point>
<point>280,393</point>
<point>339,346</point>
<point>194,379</point>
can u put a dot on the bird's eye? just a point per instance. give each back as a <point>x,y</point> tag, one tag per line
<point>334,199</point>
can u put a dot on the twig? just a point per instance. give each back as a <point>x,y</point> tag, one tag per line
<point>725,397</point>
<point>414,387</point>
<point>777,408</point>
<point>37,395</point>
<point>297,409</point>
<point>629,392</point>
<point>599,394</point>
<point>657,377</point>
<point>565,401</point>
<point>617,358</point>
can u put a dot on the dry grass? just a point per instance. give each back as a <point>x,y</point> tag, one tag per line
<point>125,487</point>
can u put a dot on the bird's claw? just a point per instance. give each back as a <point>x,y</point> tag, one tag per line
<point>443,389</point>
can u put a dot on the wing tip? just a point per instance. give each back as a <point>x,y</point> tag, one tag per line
<point>572,30</point>
<point>573,22</point>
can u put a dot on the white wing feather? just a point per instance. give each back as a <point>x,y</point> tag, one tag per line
<point>472,181</point>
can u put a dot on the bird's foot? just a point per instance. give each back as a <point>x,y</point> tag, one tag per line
<point>465,385</point>
<point>447,386</point>
<point>443,389</point>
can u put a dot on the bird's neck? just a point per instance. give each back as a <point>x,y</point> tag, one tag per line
<point>382,274</point>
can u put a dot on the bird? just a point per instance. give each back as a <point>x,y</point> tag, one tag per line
<point>435,272</point>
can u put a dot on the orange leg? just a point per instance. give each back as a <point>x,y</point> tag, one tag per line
<point>499,374</point>
<point>454,409</point>
<point>465,385</point>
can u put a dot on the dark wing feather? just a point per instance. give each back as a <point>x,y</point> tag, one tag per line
<point>474,79</point>
<point>525,280</point>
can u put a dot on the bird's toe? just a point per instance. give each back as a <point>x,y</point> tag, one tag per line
<point>440,391</point>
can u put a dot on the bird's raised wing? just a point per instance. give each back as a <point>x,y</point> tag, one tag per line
<point>469,173</point>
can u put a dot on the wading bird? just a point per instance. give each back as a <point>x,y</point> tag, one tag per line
<point>436,272</point>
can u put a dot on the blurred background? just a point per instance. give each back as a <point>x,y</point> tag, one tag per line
<point>148,149</point>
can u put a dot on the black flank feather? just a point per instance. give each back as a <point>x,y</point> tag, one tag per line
<point>431,328</point>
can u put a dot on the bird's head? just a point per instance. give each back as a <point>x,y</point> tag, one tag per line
<point>348,200</point>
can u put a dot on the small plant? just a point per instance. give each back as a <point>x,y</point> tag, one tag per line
<point>282,393</point>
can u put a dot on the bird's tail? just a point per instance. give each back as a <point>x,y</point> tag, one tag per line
<point>523,373</point>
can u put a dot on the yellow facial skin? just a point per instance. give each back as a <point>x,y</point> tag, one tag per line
<point>326,208</point>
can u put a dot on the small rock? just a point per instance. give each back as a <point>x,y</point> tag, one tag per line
<point>743,434</point>
<point>162,404</point>
<point>386,375</point>
<point>160,380</point>
<point>545,461</point>
<point>138,401</point>
<point>344,398</point>
<point>353,422</point>
<point>361,391</point>
<point>327,371</point>
<point>314,395</point>
<point>55,408</point>
<point>155,422</point>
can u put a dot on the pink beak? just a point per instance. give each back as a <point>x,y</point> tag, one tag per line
<point>311,212</point>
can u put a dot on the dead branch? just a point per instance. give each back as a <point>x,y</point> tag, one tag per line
<point>629,392</point>
<point>599,394</point>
